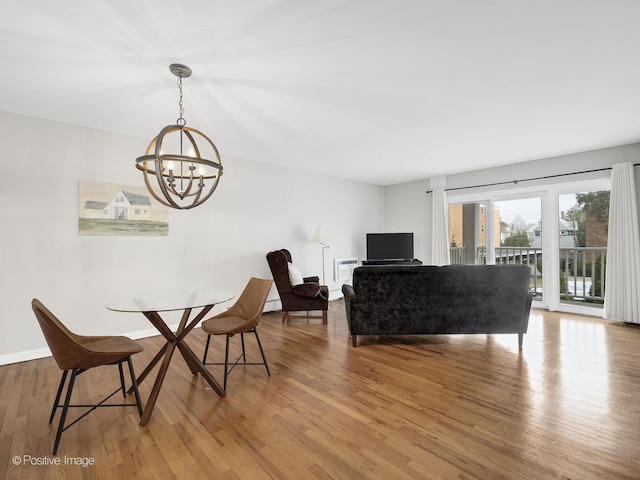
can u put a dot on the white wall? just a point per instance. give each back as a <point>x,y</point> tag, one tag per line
<point>220,244</point>
<point>407,210</point>
<point>408,206</point>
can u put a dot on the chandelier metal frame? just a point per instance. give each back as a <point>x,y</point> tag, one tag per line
<point>183,179</point>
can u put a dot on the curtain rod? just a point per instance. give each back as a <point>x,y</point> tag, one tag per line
<point>515,182</point>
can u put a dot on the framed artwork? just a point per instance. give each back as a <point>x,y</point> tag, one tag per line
<point>116,209</point>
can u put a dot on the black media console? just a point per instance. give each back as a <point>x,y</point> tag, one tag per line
<point>412,261</point>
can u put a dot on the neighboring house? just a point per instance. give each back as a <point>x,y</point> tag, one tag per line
<point>94,209</point>
<point>123,206</point>
<point>531,232</point>
<point>505,231</point>
<point>566,235</point>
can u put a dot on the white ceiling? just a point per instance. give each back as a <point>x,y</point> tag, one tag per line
<point>382,91</point>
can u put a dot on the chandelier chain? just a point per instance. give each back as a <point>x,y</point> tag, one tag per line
<point>181,121</point>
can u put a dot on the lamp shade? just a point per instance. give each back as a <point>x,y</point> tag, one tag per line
<point>319,236</point>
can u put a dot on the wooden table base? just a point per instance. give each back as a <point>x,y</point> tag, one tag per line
<point>174,340</point>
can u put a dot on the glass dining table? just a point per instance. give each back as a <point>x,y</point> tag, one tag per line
<point>150,305</point>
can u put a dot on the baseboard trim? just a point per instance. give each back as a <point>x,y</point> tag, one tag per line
<point>25,356</point>
<point>271,305</point>
<point>37,353</point>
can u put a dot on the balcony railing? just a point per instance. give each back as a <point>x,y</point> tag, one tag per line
<point>584,274</point>
<point>582,269</point>
<point>456,255</point>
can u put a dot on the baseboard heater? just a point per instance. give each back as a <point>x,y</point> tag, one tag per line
<point>343,268</point>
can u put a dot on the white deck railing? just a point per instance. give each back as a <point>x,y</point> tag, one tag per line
<point>582,269</point>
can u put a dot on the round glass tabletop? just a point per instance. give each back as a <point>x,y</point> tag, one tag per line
<point>169,300</point>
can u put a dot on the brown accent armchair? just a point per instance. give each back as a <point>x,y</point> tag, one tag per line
<point>305,297</point>
<point>243,317</point>
<point>77,354</point>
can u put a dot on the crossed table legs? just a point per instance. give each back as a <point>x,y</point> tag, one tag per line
<point>166,352</point>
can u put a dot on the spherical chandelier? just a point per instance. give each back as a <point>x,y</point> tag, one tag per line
<point>181,166</point>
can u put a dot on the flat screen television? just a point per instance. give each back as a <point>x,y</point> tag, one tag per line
<point>389,246</point>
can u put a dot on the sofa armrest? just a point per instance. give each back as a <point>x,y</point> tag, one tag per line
<point>527,311</point>
<point>348,294</point>
<point>311,279</point>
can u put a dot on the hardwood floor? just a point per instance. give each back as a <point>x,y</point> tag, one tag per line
<point>566,406</point>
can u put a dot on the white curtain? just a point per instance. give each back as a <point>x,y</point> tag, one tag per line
<point>622,285</point>
<point>439,228</point>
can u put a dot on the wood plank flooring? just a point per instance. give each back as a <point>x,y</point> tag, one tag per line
<point>565,406</point>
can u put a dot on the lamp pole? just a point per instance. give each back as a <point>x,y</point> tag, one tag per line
<point>323,245</point>
<point>320,237</point>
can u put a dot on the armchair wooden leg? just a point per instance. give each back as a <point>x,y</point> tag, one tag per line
<point>287,316</point>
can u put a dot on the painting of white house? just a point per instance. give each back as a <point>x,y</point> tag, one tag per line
<point>114,209</point>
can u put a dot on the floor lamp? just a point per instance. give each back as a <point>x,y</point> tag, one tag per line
<point>320,237</point>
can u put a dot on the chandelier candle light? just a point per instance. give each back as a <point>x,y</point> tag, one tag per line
<point>175,166</point>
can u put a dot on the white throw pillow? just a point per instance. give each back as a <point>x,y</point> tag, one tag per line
<point>295,277</point>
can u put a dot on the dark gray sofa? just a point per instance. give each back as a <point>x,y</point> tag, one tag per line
<point>411,300</point>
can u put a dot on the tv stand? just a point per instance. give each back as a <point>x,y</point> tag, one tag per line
<point>408,261</point>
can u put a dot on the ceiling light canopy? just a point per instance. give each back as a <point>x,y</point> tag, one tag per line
<point>181,166</point>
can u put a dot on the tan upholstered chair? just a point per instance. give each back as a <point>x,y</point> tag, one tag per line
<point>77,354</point>
<point>304,297</point>
<point>243,317</point>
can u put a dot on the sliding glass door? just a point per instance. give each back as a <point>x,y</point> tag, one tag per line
<point>559,231</point>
